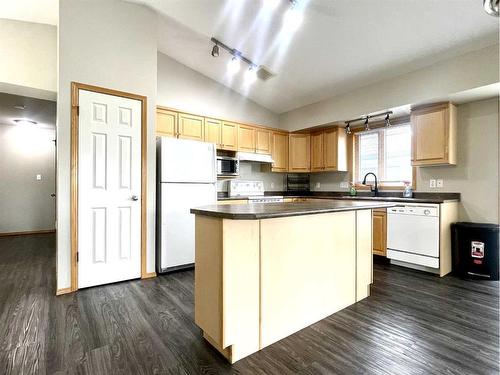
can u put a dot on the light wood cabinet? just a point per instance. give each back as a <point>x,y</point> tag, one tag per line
<point>262,141</point>
<point>279,152</point>
<point>299,151</point>
<point>329,150</point>
<point>317,152</point>
<point>166,123</point>
<point>434,135</point>
<point>380,232</point>
<point>229,136</point>
<point>213,130</point>
<point>246,138</point>
<point>191,127</point>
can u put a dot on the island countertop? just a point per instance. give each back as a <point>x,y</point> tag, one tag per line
<point>259,211</point>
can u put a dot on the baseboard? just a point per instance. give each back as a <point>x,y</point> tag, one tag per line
<point>63,291</point>
<point>25,233</point>
<point>148,275</point>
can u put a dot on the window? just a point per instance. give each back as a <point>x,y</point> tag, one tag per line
<point>385,152</point>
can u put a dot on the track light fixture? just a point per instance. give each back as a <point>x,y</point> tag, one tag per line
<point>233,66</point>
<point>491,7</point>
<point>387,120</point>
<point>348,129</point>
<point>367,125</point>
<point>215,50</point>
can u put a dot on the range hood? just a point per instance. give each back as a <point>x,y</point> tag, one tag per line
<point>250,156</point>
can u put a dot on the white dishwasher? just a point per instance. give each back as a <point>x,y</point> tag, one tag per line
<point>413,234</point>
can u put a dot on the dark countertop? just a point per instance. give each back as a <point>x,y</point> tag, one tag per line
<point>385,196</point>
<point>272,210</point>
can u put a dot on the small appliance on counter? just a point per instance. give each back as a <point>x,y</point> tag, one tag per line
<point>253,190</point>
<point>297,182</point>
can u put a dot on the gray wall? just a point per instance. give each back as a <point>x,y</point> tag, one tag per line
<point>476,174</point>
<point>26,204</point>
<point>110,44</point>
<point>185,89</point>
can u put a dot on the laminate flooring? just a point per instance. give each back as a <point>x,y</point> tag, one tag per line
<point>413,323</point>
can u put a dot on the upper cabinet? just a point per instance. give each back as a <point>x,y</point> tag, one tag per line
<point>299,151</point>
<point>213,130</point>
<point>166,123</point>
<point>246,138</point>
<point>262,141</point>
<point>229,136</point>
<point>329,150</point>
<point>279,151</point>
<point>191,127</point>
<point>434,135</point>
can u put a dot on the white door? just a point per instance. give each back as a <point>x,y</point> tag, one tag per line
<point>109,189</point>
<point>177,223</point>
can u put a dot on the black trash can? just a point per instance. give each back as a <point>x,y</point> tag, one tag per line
<point>475,250</point>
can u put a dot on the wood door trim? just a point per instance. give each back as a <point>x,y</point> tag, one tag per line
<point>75,87</point>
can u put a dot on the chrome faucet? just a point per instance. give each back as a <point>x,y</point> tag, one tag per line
<point>373,189</point>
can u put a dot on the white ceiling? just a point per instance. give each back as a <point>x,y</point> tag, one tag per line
<point>41,111</point>
<point>341,45</point>
<point>39,11</point>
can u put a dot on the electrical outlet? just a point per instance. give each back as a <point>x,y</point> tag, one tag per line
<point>272,185</point>
<point>439,183</point>
<point>318,185</point>
<point>39,177</point>
<point>432,183</point>
<point>344,185</point>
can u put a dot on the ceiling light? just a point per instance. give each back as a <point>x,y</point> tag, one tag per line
<point>233,66</point>
<point>367,126</point>
<point>25,122</point>
<point>215,51</point>
<point>491,7</point>
<point>348,129</point>
<point>271,5</point>
<point>292,19</point>
<point>251,75</point>
<point>387,120</point>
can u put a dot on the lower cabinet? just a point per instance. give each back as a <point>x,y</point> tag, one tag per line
<point>380,232</point>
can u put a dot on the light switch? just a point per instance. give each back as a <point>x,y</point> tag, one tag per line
<point>439,183</point>
<point>39,177</point>
<point>432,183</point>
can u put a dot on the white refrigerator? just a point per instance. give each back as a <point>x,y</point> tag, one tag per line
<point>187,178</point>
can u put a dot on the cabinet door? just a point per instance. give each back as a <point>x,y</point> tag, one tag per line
<point>263,141</point>
<point>229,136</point>
<point>380,232</point>
<point>299,153</point>
<point>331,150</point>
<point>317,152</point>
<point>246,138</point>
<point>166,123</point>
<point>191,127</point>
<point>213,131</point>
<point>279,152</point>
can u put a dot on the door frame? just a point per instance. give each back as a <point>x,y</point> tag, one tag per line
<point>75,87</point>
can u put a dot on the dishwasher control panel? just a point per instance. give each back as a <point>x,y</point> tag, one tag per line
<point>423,210</point>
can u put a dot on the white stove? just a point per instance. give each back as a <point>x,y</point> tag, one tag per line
<point>253,190</point>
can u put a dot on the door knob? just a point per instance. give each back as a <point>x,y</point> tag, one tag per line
<point>135,198</point>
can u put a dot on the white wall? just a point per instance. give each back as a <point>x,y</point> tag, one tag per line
<point>110,44</point>
<point>472,70</point>
<point>28,58</point>
<point>476,174</point>
<point>182,88</point>
<point>26,204</point>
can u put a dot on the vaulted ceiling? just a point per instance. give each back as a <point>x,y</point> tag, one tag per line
<point>341,44</point>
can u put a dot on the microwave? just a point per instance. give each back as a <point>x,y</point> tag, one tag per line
<point>228,166</point>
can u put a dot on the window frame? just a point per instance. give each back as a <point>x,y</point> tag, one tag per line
<point>379,128</point>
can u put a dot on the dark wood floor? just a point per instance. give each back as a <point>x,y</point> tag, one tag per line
<point>413,323</point>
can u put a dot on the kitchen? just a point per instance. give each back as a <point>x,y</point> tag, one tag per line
<point>286,204</point>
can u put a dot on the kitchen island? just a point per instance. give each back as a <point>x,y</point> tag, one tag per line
<point>265,271</point>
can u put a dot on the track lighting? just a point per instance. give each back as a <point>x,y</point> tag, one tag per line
<point>491,7</point>
<point>367,126</point>
<point>250,75</point>
<point>348,129</point>
<point>387,120</point>
<point>233,66</point>
<point>215,51</point>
